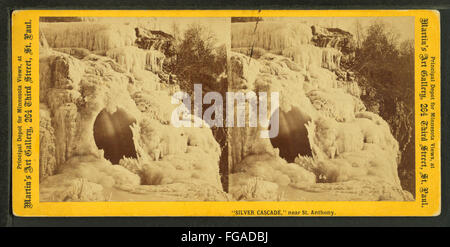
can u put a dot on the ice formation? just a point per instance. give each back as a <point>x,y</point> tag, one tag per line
<point>88,35</point>
<point>330,147</point>
<point>270,35</point>
<point>117,41</point>
<point>134,58</point>
<point>292,40</point>
<point>94,102</point>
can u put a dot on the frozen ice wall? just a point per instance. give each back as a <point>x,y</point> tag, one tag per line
<point>292,40</point>
<point>341,151</point>
<point>91,36</point>
<point>82,93</point>
<point>270,35</point>
<point>135,59</point>
<point>117,41</point>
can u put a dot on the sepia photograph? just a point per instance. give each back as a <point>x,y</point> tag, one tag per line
<point>226,109</point>
<point>345,122</point>
<point>106,104</point>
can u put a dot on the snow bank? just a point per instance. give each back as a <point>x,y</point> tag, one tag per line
<point>275,169</point>
<point>85,178</point>
<point>249,188</point>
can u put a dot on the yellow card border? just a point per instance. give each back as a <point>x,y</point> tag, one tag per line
<point>341,208</point>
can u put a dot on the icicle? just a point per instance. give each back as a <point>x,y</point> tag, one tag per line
<point>135,59</point>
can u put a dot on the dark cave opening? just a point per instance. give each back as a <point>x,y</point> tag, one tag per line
<point>292,138</point>
<point>112,133</point>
